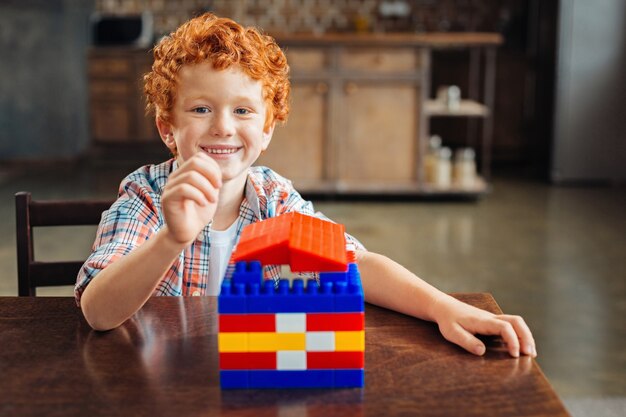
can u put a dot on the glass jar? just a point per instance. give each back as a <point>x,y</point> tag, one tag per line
<point>443,172</point>
<point>465,168</point>
<point>431,158</point>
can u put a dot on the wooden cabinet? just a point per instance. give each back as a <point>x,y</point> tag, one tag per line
<point>117,106</point>
<point>377,145</point>
<point>300,148</point>
<point>360,112</point>
<point>303,138</point>
<point>359,109</point>
<point>379,140</point>
<point>354,124</point>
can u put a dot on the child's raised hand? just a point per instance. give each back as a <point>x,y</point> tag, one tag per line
<point>459,322</point>
<point>190,197</point>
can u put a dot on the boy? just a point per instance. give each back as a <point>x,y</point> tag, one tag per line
<point>218,90</point>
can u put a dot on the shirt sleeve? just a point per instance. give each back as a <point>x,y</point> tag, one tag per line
<point>131,220</point>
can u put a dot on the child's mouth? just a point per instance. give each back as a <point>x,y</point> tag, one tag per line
<point>220,150</point>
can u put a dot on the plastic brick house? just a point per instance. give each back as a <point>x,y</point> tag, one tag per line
<point>292,336</point>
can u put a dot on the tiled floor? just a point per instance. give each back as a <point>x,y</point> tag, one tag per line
<point>557,256</point>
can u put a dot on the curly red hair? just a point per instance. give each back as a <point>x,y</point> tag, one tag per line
<point>225,43</point>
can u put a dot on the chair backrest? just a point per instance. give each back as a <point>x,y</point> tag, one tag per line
<point>29,214</point>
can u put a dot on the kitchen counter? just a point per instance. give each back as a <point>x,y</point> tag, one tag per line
<point>427,39</point>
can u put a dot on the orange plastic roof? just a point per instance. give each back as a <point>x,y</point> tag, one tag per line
<point>305,243</point>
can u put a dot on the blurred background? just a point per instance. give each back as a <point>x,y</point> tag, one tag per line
<point>478,142</point>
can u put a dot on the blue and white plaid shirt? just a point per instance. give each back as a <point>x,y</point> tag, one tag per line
<point>136,216</point>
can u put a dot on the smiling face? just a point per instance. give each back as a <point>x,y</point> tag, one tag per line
<point>221,113</point>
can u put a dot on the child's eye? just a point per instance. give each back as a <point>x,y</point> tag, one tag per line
<point>201,110</point>
<point>242,111</point>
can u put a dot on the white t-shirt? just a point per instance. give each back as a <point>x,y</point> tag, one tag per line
<point>222,243</point>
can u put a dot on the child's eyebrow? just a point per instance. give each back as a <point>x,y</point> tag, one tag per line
<point>242,99</point>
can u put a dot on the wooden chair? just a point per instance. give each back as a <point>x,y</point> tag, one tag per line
<point>29,214</point>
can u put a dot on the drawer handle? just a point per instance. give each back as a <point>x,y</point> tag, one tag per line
<point>351,88</point>
<point>321,88</point>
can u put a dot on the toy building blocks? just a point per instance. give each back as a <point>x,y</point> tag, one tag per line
<point>292,335</point>
<point>303,242</point>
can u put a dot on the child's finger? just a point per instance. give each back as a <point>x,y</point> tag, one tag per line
<point>202,164</point>
<point>206,165</point>
<point>502,328</point>
<point>184,192</point>
<point>197,180</point>
<point>524,334</point>
<point>506,331</point>
<point>465,339</point>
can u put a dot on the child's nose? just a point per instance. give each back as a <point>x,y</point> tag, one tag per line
<point>222,125</point>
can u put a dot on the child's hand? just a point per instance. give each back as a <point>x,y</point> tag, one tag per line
<point>190,197</point>
<point>459,322</point>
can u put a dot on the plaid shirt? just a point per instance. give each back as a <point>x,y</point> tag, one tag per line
<point>136,216</point>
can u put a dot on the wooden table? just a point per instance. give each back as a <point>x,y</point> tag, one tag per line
<point>164,361</point>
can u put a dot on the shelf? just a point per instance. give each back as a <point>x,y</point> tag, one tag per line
<point>330,189</point>
<point>467,108</point>
<point>480,187</point>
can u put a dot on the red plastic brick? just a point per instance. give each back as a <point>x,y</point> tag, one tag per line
<point>247,323</point>
<point>335,360</point>
<point>319,322</point>
<point>247,360</point>
<point>305,243</point>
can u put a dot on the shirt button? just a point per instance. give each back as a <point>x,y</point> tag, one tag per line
<point>195,293</point>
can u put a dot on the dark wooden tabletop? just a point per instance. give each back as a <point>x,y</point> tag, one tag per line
<point>164,361</point>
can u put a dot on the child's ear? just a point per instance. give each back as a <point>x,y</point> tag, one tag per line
<point>165,131</point>
<point>267,135</point>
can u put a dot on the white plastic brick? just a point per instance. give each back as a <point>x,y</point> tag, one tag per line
<point>320,341</point>
<point>290,322</point>
<point>290,360</point>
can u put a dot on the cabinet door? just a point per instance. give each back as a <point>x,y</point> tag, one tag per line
<point>146,123</point>
<point>111,121</point>
<point>297,148</point>
<point>380,130</point>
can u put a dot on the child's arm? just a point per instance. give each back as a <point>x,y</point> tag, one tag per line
<point>188,203</point>
<point>388,284</point>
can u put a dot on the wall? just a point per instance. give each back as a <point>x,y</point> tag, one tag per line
<point>590,120</point>
<point>43,88</point>
<point>325,15</point>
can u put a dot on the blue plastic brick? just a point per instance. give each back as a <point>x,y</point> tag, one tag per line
<point>349,294</point>
<point>334,277</point>
<point>232,298</point>
<point>247,292</point>
<point>234,379</point>
<point>349,378</point>
<point>294,299</point>
<point>318,298</point>
<point>277,300</point>
<point>319,378</point>
<point>248,273</point>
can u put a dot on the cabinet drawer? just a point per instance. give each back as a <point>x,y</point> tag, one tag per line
<point>110,89</point>
<point>379,60</point>
<point>110,67</point>
<point>307,59</point>
<point>111,122</point>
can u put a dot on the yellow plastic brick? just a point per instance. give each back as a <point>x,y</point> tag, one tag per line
<point>272,342</point>
<point>232,342</point>
<point>291,341</point>
<point>350,341</point>
<point>262,342</point>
